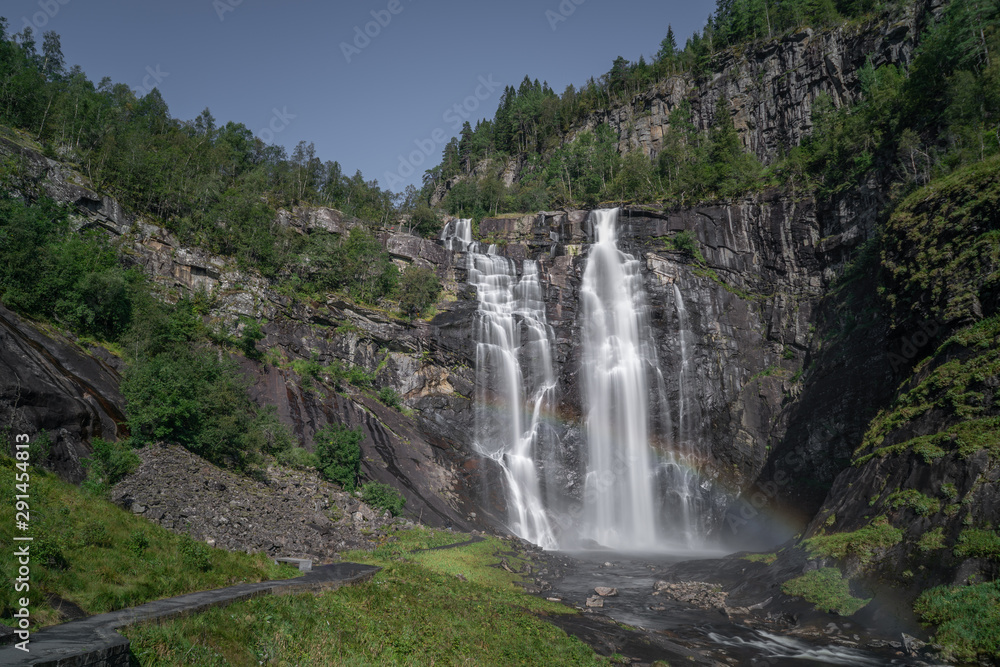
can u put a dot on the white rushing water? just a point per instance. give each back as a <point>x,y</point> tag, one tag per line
<point>619,494</point>
<point>641,488</point>
<point>515,380</point>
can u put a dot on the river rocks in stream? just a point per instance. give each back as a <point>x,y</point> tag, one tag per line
<point>595,601</point>
<point>294,513</point>
<point>606,592</point>
<point>698,593</point>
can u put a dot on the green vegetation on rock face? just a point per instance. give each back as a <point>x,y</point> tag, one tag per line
<point>418,290</point>
<point>955,385</point>
<point>867,544</point>
<point>916,501</point>
<point>435,607</point>
<point>827,589</point>
<point>101,557</point>
<point>942,248</point>
<point>967,619</point>
<point>978,543</point>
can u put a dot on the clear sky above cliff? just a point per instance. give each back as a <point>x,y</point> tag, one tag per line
<point>282,68</point>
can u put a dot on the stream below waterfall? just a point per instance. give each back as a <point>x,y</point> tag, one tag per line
<point>681,633</point>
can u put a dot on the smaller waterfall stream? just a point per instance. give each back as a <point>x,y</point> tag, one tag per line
<point>515,380</point>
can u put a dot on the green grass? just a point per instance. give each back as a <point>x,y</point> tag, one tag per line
<point>100,557</point>
<point>827,590</point>
<point>868,544</point>
<point>932,540</point>
<point>767,559</point>
<point>916,501</point>
<point>448,607</point>
<point>967,620</point>
<point>978,543</point>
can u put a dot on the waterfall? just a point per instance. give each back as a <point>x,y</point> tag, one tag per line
<point>457,234</point>
<point>641,486</point>
<point>678,466</point>
<point>619,494</point>
<point>515,380</point>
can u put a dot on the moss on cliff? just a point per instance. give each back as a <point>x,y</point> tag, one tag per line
<point>942,248</point>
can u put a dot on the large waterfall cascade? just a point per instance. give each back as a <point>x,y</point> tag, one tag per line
<point>641,488</point>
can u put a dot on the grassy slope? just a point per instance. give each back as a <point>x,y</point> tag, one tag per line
<point>90,552</point>
<point>447,607</point>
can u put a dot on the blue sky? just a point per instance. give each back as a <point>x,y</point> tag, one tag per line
<point>299,67</point>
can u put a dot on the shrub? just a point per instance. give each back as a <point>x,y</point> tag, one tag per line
<point>389,396</point>
<point>109,463</point>
<point>252,334</point>
<point>195,554</point>
<point>425,221</point>
<point>338,454</point>
<point>418,289</point>
<point>40,448</point>
<point>96,534</point>
<point>383,497</point>
<point>298,457</point>
<point>686,242</point>
<point>138,542</point>
<point>48,552</point>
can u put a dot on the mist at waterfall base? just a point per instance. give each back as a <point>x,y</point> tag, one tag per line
<point>641,489</point>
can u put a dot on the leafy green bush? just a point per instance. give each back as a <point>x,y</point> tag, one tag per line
<point>195,554</point>
<point>298,457</point>
<point>338,454</point>
<point>96,534</point>
<point>138,542</point>
<point>916,501</point>
<point>686,242</point>
<point>109,463</point>
<point>425,221</point>
<point>389,396</point>
<point>252,334</point>
<point>178,389</point>
<point>383,497</point>
<point>40,448</point>
<point>418,289</point>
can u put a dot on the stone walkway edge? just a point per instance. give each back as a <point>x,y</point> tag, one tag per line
<point>95,642</point>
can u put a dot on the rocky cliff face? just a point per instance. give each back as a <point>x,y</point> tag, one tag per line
<point>753,291</point>
<point>772,88</point>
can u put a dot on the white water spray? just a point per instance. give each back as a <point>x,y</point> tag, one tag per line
<point>515,381</point>
<point>619,494</point>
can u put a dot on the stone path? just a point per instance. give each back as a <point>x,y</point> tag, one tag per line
<point>94,641</point>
